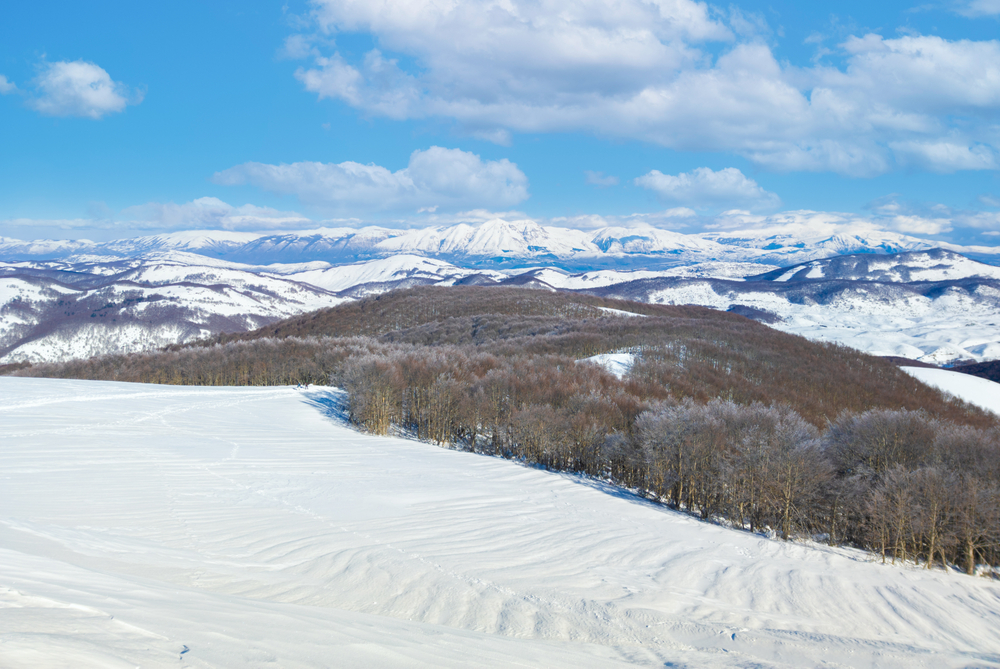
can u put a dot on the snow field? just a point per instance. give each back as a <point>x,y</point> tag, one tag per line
<point>206,527</point>
<point>616,363</point>
<point>975,390</point>
<point>950,327</point>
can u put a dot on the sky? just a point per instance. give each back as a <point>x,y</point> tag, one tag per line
<point>122,119</point>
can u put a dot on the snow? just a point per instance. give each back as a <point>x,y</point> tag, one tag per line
<point>616,363</point>
<point>523,239</point>
<point>395,268</point>
<point>620,312</point>
<point>973,389</point>
<point>180,526</point>
<point>951,326</point>
<point>558,278</point>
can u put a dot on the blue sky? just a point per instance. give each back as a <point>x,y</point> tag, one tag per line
<point>119,119</point>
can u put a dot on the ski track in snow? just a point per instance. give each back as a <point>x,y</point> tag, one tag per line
<point>223,527</point>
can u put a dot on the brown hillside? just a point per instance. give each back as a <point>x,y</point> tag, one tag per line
<point>684,351</point>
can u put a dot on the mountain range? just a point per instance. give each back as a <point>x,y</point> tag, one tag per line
<point>498,244</point>
<point>887,294</point>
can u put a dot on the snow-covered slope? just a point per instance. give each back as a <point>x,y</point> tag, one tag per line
<point>58,311</point>
<point>174,526</point>
<point>974,390</point>
<point>617,363</point>
<point>934,306</point>
<point>380,275</point>
<point>933,265</point>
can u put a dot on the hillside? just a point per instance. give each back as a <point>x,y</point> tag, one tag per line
<point>59,311</point>
<point>209,527</point>
<point>987,370</point>
<point>933,305</point>
<point>710,412</point>
<point>687,351</point>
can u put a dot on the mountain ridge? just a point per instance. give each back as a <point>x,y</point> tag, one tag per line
<point>496,243</point>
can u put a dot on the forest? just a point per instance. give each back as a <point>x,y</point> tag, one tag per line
<point>719,415</point>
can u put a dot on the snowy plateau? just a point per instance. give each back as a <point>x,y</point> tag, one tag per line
<point>886,294</point>
<point>161,526</point>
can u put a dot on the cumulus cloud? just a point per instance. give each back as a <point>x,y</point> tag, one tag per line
<point>643,70</point>
<point>932,219</point>
<point>79,88</point>
<point>704,187</point>
<point>437,177</point>
<point>6,86</point>
<point>945,156</point>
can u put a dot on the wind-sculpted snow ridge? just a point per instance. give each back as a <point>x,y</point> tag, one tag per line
<point>178,526</point>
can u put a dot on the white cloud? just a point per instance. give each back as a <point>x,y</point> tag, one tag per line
<point>639,69</point>
<point>79,88</point>
<point>207,213</point>
<point>931,219</point>
<point>298,46</point>
<point>977,8</point>
<point>600,179</point>
<point>6,86</point>
<point>817,225</point>
<point>945,156</point>
<point>704,187</point>
<point>669,219</point>
<point>56,223</point>
<point>437,177</point>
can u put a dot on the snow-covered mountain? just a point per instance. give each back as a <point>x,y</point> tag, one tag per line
<point>57,311</point>
<point>494,244</point>
<point>933,265</point>
<point>932,304</point>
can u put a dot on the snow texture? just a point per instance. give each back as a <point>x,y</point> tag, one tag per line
<point>206,527</point>
<point>616,363</point>
<point>975,390</point>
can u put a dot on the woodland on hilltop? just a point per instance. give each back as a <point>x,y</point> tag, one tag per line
<point>719,415</point>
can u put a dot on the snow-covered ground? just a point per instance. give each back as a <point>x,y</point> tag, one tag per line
<point>951,325</point>
<point>225,527</point>
<point>974,390</point>
<point>616,363</point>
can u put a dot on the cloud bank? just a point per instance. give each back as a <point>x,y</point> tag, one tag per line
<point>649,70</point>
<point>437,177</point>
